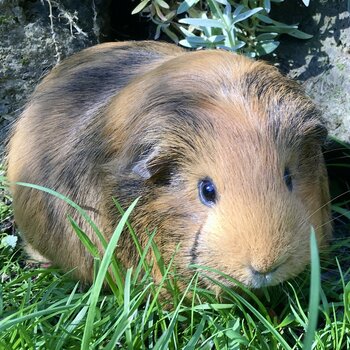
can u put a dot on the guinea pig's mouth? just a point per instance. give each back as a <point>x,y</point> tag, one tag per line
<point>262,280</point>
<point>249,277</point>
<point>258,279</point>
<point>254,282</point>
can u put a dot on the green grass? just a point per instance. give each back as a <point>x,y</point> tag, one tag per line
<point>42,308</point>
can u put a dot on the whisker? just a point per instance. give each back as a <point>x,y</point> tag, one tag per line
<point>338,149</point>
<point>337,158</point>
<point>329,221</point>
<point>327,203</point>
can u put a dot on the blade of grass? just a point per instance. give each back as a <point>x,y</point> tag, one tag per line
<point>143,262</point>
<point>164,340</point>
<point>346,300</point>
<point>80,210</point>
<point>264,319</point>
<point>315,287</point>
<point>127,307</point>
<point>8,322</point>
<point>116,285</point>
<point>194,339</point>
<point>86,217</point>
<point>234,282</point>
<point>97,286</point>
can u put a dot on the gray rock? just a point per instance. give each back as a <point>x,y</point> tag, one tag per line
<point>31,45</point>
<point>32,42</point>
<point>322,64</point>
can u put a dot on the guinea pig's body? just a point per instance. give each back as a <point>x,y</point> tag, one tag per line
<point>224,152</point>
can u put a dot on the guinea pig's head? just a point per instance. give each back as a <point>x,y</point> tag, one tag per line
<point>226,155</point>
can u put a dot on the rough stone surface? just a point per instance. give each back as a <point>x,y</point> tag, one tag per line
<point>31,45</point>
<point>322,64</point>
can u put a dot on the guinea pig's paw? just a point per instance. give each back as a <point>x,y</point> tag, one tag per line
<point>34,258</point>
<point>34,264</point>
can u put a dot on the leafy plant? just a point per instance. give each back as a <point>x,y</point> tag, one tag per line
<point>243,26</point>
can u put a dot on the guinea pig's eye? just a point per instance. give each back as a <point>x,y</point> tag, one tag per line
<point>288,179</point>
<point>207,192</point>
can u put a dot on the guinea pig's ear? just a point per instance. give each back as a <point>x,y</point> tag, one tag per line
<point>321,133</point>
<point>154,167</point>
<point>141,165</point>
<point>316,132</point>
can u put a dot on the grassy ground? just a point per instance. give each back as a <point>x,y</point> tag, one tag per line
<point>41,308</point>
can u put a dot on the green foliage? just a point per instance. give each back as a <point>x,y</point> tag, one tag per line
<point>314,299</point>
<point>43,309</point>
<point>7,240</point>
<point>242,26</point>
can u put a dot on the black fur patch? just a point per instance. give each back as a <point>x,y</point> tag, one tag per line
<point>261,82</point>
<point>292,116</point>
<point>194,249</point>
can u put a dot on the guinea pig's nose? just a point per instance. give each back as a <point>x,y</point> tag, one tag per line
<point>263,271</point>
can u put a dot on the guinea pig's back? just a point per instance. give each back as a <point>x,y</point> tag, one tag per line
<point>64,109</point>
<point>88,79</point>
<point>58,142</point>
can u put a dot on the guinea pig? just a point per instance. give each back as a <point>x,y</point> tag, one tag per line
<point>223,151</point>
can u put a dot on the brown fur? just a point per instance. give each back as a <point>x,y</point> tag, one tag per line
<point>151,120</point>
